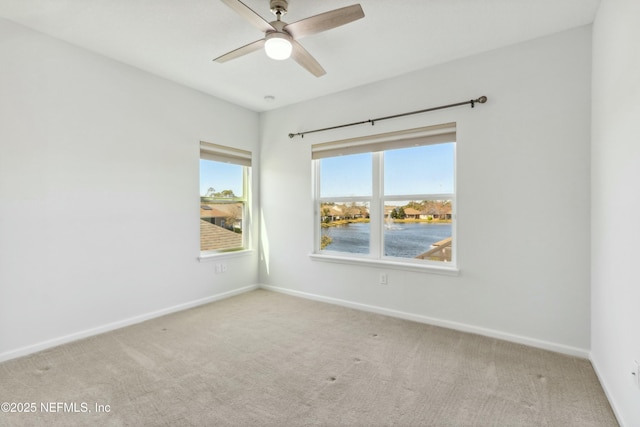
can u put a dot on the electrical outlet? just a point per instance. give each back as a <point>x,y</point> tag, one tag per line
<point>221,268</point>
<point>384,279</point>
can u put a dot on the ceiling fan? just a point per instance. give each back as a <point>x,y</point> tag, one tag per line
<point>280,40</point>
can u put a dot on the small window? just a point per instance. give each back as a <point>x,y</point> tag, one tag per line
<point>389,197</point>
<point>224,198</point>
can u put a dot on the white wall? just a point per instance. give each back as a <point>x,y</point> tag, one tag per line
<point>523,194</point>
<point>99,192</point>
<point>616,204</point>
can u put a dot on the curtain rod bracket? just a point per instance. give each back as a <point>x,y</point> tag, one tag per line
<point>473,102</point>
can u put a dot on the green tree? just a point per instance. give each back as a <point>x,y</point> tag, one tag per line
<point>414,205</point>
<point>325,241</point>
<point>326,212</point>
<point>226,194</point>
<point>352,211</point>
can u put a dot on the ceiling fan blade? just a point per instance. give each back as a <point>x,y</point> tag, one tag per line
<point>248,14</point>
<point>304,58</point>
<point>241,51</point>
<point>324,21</point>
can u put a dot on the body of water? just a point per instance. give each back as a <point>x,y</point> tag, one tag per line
<point>405,240</point>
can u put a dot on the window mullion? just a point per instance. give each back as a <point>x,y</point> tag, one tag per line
<point>376,212</point>
<point>316,205</point>
<point>246,176</point>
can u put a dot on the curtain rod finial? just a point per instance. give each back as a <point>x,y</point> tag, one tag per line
<point>482,99</point>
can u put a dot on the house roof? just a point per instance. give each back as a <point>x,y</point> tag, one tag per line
<point>436,207</point>
<point>218,210</point>
<point>209,212</point>
<point>213,237</point>
<point>334,210</point>
<point>411,211</point>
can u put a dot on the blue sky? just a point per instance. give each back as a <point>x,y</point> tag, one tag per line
<point>221,176</point>
<point>417,170</point>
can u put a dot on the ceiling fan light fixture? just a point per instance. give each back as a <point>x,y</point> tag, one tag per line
<point>278,46</point>
<point>281,39</point>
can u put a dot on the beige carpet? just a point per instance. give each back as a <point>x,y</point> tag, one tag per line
<point>265,358</point>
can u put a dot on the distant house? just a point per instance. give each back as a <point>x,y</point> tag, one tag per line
<point>411,213</point>
<point>331,213</point>
<point>226,215</point>
<point>354,212</point>
<point>436,209</point>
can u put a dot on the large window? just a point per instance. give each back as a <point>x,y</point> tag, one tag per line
<point>224,198</point>
<point>390,197</point>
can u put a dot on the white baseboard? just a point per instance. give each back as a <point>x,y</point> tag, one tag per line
<point>23,351</point>
<point>532,342</point>
<point>607,393</point>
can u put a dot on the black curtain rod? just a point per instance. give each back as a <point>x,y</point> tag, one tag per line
<point>480,100</point>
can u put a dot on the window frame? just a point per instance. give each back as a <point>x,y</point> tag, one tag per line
<point>243,158</point>
<point>430,135</point>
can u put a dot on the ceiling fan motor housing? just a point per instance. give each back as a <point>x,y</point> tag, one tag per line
<point>279,7</point>
<point>279,40</point>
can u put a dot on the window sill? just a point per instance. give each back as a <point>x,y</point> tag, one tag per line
<point>406,266</point>
<point>217,256</point>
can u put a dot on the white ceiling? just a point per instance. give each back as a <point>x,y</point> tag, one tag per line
<point>177,39</point>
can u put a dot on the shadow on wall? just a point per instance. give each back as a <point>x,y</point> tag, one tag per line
<point>264,242</point>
